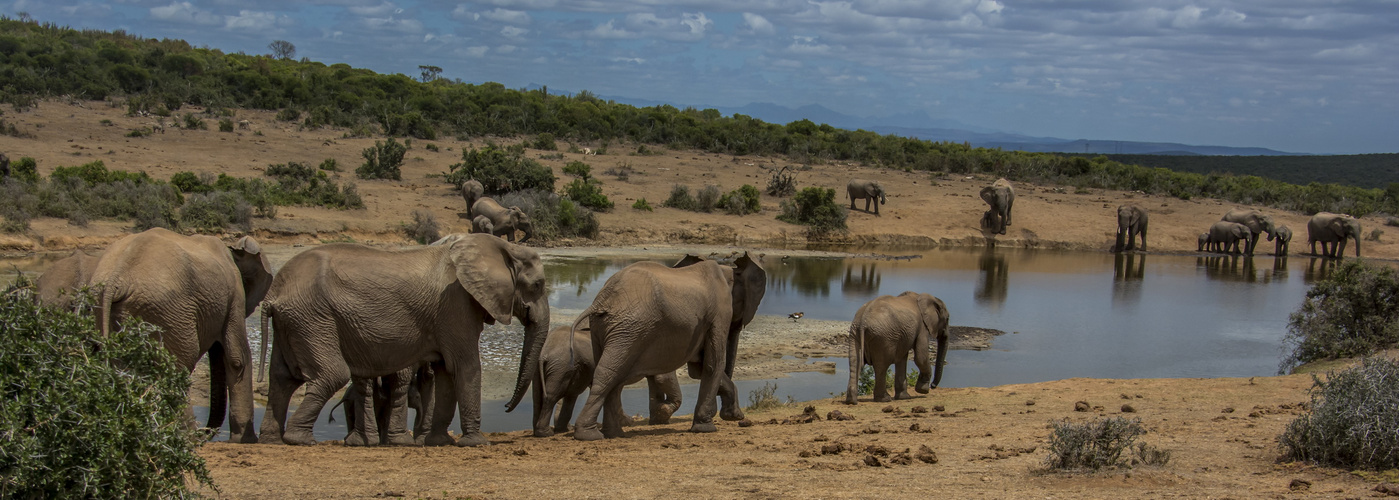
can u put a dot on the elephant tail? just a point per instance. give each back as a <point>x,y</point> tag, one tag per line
<point>857,361</point>
<point>330,417</point>
<point>262,350</point>
<point>573,330</point>
<point>104,315</point>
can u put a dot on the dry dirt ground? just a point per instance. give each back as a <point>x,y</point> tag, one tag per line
<point>988,442</point>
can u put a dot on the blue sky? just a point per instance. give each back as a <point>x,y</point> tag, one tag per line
<point>1302,76</point>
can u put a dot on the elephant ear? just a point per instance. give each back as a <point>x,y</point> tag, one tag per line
<point>988,194</point>
<point>485,268</point>
<point>248,245</point>
<point>928,312</point>
<point>688,260</point>
<point>750,284</point>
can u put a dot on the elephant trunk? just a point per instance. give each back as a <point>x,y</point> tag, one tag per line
<point>262,346</point>
<point>882,199</point>
<point>536,331</point>
<point>1357,247</point>
<point>218,386</point>
<point>942,356</point>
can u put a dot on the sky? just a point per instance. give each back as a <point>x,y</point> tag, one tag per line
<point>1291,75</point>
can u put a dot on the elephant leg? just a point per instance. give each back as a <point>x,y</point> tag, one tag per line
<point>394,417</point>
<point>466,379</point>
<point>852,202</point>
<point>881,381</point>
<point>443,404</point>
<point>543,409</point>
<point>921,360</point>
<point>425,385</point>
<point>606,379</point>
<point>359,402</point>
<point>238,371</point>
<point>280,387</point>
<point>569,402</point>
<point>901,377</point>
<point>318,391</point>
<point>710,381</point>
<point>613,414</point>
<point>665,397</point>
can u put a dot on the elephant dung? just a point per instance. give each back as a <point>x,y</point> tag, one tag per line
<point>926,455</point>
<point>838,415</point>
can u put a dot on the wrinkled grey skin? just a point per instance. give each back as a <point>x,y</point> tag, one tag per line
<point>1226,236</point>
<point>1204,240</point>
<point>482,224</point>
<point>1001,197</point>
<point>200,291</point>
<point>566,370</point>
<point>472,190</point>
<point>1131,222</point>
<point>1332,231</point>
<point>56,286</point>
<point>649,319</point>
<point>883,332</point>
<point>1257,222</point>
<point>1282,236</point>
<point>345,310</point>
<point>870,191</point>
<point>504,221</point>
<point>384,421</point>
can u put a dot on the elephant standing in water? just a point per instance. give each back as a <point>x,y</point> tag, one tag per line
<point>200,291</point>
<point>346,310</point>
<point>1257,222</point>
<point>1226,236</point>
<point>1283,236</point>
<point>472,190</point>
<point>1000,196</point>
<point>1131,222</point>
<point>649,319</point>
<point>883,332</point>
<point>56,286</point>
<point>566,370</point>
<point>504,221</point>
<point>870,191</point>
<point>1332,230</point>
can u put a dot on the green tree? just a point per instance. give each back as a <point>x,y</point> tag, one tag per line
<point>383,161</point>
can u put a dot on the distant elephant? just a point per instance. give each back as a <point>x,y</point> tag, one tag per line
<point>504,221</point>
<point>883,332</point>
<point>649,319</point>
<point>1131,222</point>
<point>1332,230</point>
<point>56,286</point>
<point>1257,222</point>
<point>482,224</point>
<point>1225,236</point>
<point>1283,236</point>
<point>1000,196</point>
<point>861,189</point>
<point>1204,240</point>
<point>200,291</point>
<point>566,370</point>
<point>472,190</point>
<point>347,310</point>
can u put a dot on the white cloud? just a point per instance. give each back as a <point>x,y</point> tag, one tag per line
<point>507,16</point>
<point>184,12</point>
<point>477,51</point>
<point>254,21</point>
<point>87,9</point>
<point>757,24</point>
<point>689,27</point>
<point>513,31</point>
<point>384,9</point>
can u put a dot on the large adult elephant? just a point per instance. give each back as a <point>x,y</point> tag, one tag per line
<point>504,220</point>
<point>472,190</point>
<point>870,191</point>
<point>1283,237</point>
<point>1227,236</point>
<point>883,332</point>
<point>1131,222</point>
<point>649,319</point>
<point>566,368</point>
<point>1257,222</point>
<point>56,286</point>
<point>1332,230</point>
<point>1000,196</point>
<point>199,291</point>
<point>346,310</point>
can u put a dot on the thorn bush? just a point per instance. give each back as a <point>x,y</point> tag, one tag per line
<point>1354,419</point>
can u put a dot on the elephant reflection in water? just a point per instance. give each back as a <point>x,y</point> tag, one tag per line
<point>809,277</point>
<point>1319,268</point>
<point>1127,272</point>
<point>1228,268</point>
<point>864,284</point>
<point>995,276</point>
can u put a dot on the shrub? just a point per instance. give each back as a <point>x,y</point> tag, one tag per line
<point>1100,443</point>
<point>588,193</point>
<point>1354,312</point>
<point>214,212</point>
<point>816,208</point>
<point>641,204</point>
<point>707,199</point>
<point>189,182</point>
<point>24,169</point>
<point>553,216</point>
<point>16,220</point>
<point>288,115</point>
<point>501,170</point>
<point>782,183</point>
<point>225,125</point>
<point>544,141</point>
<point>138,132</point>
<point>741,201</point>
<point>1354,419</point>
<point>766,398</point>
<point>330,165</point>
<point>382,161</point>
<point>432,147</point>
<point>578,169</point>
<point>424,228</point>
<point>680,198</point>
<point>194,122</point>
<point>87,415</point>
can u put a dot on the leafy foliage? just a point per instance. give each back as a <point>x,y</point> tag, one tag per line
<point>213,212</point>
<point>1100,443</point>
<point>424,229</point>
<point>1353,312</point>
<point>87,415</point>
<point>816,208</point>
<point>641,204</point>
<point>680,198</point>
<point>588,192</point>
<point>24,169</point>
<point>552,216</point>
<point>1354,419</point>
<point>383,161</point>
<point>501,170</point>
<point>742,201</point>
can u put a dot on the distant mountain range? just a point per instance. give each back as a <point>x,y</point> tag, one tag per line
<point>922,126</point>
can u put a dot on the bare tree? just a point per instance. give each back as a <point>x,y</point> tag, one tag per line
<point>430,73</point>
<point>282,49</point>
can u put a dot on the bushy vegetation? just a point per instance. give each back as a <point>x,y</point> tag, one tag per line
<point>681,198</point>
<point>766,398</point>
<point>585,190</point>
<point>782,183</point>
<point>864,383</point>
<point>1101,443</point>
<point>816,208</point>
<point>1367,171</point>
<point>1353,312</point>
<point>501,170</point>
<point>214,212</point>
<point>553,216</point>
<point>86,415</point>
<point>741,201</point>
<point>641,204</point>
<point>383,161</point>
<point>1354,419</point>
<point>424,229</point>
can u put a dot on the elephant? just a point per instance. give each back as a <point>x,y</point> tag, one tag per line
<point>56,286</point>
<point>861,189</point>
<point>1225,236</point>
<point>1332,230</point>
<point>1257,222</point>
<point>384,419</point>
<point>883,332</point>
<point>1131,222</point>
<point>347,310</point>
<point>482,224</point>
<point>199,291</point>
<point>1282,235</point>
<point>1204,240</point>
<point>1001,196</point>
<point>472,190</point>
<point>566,370</point>
<point>504,220</point>
<point>649,319</point>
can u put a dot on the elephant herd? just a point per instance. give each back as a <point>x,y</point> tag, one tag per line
<point>999,197</point>
<point>1239,230</point>
<point>489,217</point>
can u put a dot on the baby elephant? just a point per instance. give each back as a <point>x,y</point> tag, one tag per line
<point>1204,240</point>
<point>482,224</point>
<point>566,370</point>
<point>1282,235</point>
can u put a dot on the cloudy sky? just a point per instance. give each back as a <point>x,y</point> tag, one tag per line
<point>1292,75</point>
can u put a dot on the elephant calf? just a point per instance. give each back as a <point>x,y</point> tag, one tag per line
<point>883,332</point>
<point>566,370</point>
<point>1282,236</point>
<point>1229,237</point>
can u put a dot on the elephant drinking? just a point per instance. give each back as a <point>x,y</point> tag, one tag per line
<point>883,332</point>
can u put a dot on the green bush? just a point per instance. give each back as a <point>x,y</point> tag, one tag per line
<point>330,165</point>
<point>501,170</point>
<point>288,115</point>
<point>544,141</point>
<point>424,228</point>
<point>742,201</point>
<point>214,212</point>
<point>194,122</point>
<point>87,415</point>
<point>383,161</point>
<point>1354,419</point>
<point>25,169</point>
<point>1101,443</point>
<point>680,198</point>
<point>816,208</point>
<point>578,169</point>
<point>16,220</point>
<point>588,193</point>
<point>96,173</point>
<point>1353,312</point>
<point>189,182</point>
<point>553,216</point>
<point>641,204</point>
<point>707,199</point>
<point>225,125</point>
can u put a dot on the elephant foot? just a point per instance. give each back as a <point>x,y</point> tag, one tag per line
<point>472,439</point>
<point>850,400</point>
<point>613,432</point>
<point>243,438</point>
<point>420,440</point>
<point>401,439</point>
<point>435,439</point>
<point>269,437</point>
<point>543,433</point>
<point>703,427</point>
<point>588,433</point>
<point>882,398</point>
<point>356,439</point>
<point>659,420</point>
<point>732,414</point>
<point>923,388</point>
<point>298,438</point>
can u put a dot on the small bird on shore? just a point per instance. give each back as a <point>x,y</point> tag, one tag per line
<point>796,316</point>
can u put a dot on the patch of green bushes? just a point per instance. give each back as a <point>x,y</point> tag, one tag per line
<point>1353,312</point>
<point>742,201</point>
<point>87,415</point>
<point>501,170</point>
<point>680,198</point>
<point>1354,419</point>
<point>1101,443</point>
<point>544,141</point>
<point>194,122</point>
<point>641,204</point>
<point>214,212</point>
<point>383,161</point>
<point>553,216</point>
<point>816,208</point>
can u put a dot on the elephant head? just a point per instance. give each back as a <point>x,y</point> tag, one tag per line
<point>1342,228</point>
<point>255,270</point>
<point>933,319</point>
<point>521,221</point>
